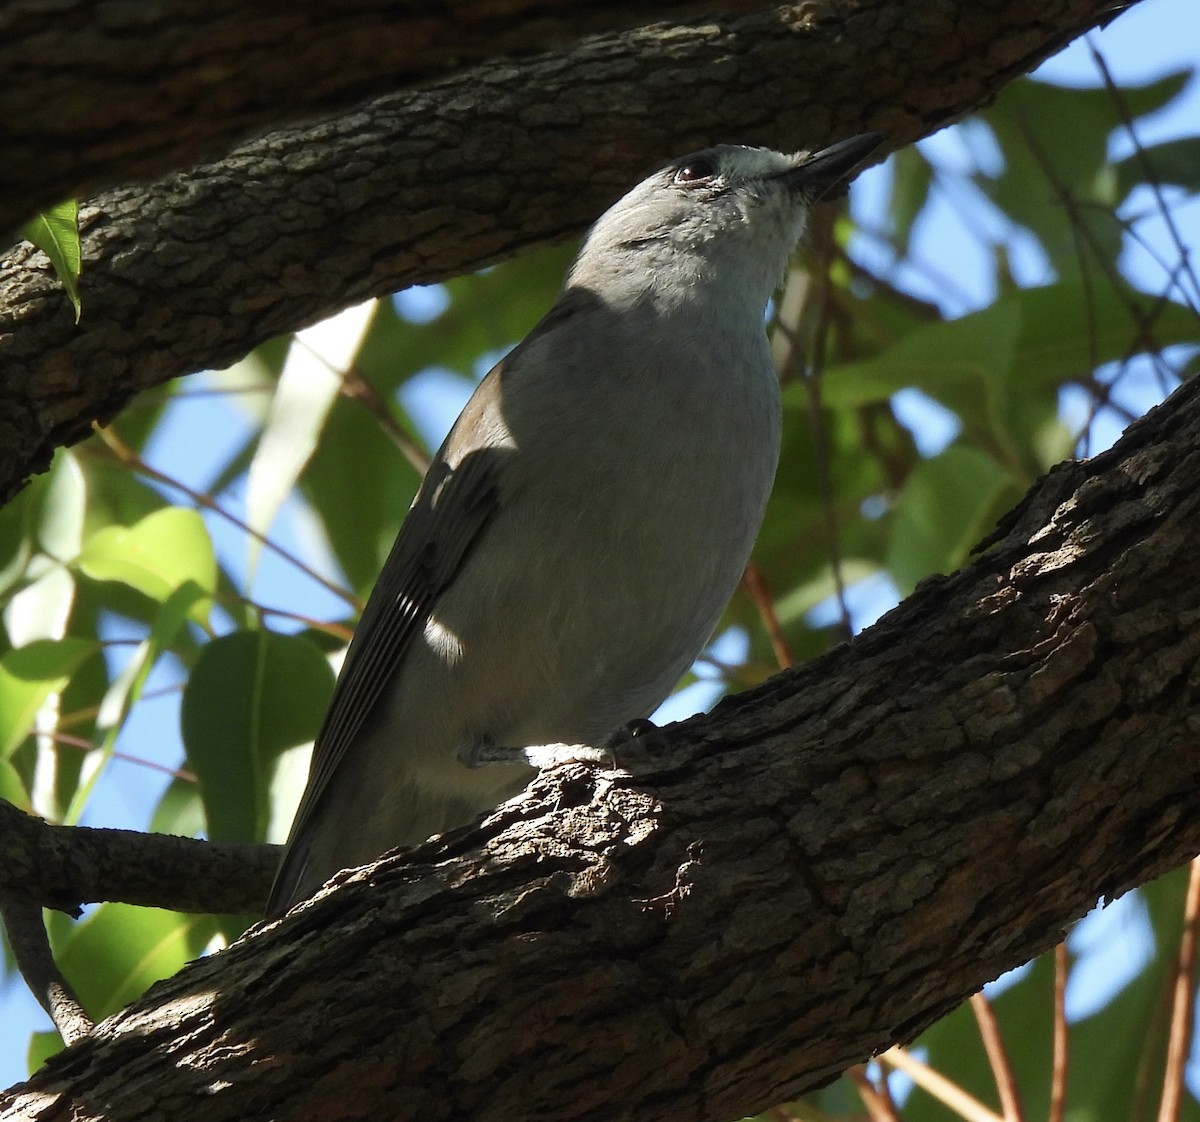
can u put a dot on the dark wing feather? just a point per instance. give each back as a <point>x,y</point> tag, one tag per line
<point>452,509</point>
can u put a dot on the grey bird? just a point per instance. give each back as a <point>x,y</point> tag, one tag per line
<point>583,526</point>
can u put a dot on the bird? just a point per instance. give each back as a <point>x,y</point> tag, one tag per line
<point>579,533</point>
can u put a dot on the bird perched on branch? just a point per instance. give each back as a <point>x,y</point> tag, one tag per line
<point>581,529</point>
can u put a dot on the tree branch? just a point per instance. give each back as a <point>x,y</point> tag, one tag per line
<point>176,82</point>
<point>193,271</point>
<point>823,866</point>
<point>65,866</point>
<point>26,931</point>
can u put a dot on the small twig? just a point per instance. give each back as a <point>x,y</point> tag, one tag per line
<point>1179,1043</point>
<point>877,1101</point>
<point>1142,321</point>
<point>22,917</point>
<point>941,1088</point>
<point>753,580</point>
<point>356,388</point>
<point>338,631</point>
<point>128,456</point>
<point>69,741</point>
<point>1148,169</point>
<point>1058,1072</point>
<point>993,1045</point>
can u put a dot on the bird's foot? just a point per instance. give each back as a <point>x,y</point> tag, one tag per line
<point>541,756</point>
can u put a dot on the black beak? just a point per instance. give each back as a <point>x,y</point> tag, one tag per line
<point>828,167</point>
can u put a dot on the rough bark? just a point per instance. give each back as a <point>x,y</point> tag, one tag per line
<point>821,867</point>
<point>96,93</point>
<point>194,270</point>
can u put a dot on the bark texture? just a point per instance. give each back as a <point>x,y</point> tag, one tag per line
<point>194,270</point>
<point>819,868</point>
<point>96,93</point>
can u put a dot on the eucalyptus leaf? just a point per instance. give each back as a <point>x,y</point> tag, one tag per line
<point>250,696</point>
<point>163,551</point>
<point>56,233</point>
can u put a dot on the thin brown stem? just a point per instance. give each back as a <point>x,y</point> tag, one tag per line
<point>69,741</point>
<point>1152,180</point>
<point>878,1104</point>
<point>1179,1043</point>
<point>357,388</point>
<point>1060,1054</point>
<point>754,584</point>
<point>993,1045</point>
<point>941,1088</point>
<point>127,455</point>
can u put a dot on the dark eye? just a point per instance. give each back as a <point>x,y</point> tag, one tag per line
<point>699,170</point>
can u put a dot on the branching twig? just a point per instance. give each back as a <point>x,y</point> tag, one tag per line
<point>22,918</point>
<point>355,387</point>
<point>878,1102</point>
<point>941,1088</point>
<point>128,456</point>
<point>65,866</point>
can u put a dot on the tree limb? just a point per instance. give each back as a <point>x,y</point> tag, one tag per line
<point>65,866</point>
<point>196,269</point>
<point>176,81</point>
<point>823,866</point>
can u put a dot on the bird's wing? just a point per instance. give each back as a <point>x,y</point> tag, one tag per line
<point>458,498</point>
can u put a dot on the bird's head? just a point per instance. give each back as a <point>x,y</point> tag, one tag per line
<point>729,215</point>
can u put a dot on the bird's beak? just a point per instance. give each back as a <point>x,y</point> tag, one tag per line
<point>817,173</point>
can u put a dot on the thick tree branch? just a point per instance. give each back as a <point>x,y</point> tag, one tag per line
<point>822,867</point>
<point>95,93</point>
<point>194,270</point>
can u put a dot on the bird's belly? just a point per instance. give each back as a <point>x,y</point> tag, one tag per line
<point>566,640</point>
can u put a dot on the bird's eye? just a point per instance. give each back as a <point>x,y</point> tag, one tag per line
<point>696,171</point>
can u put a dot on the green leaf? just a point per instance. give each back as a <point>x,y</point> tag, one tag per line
<point>56,233</point>
<point>41,609</point>
<point>307,388</point>
<point>1174,162</point>
<point>28,677</point>
<point>127,687</point>
<point>946,506</point>
<point>42,1045</point>
<point>114,955</point>
<point>913,176</point>
<point>160,553</point>
<point>179,811</point>
<point>251,695</point>
<point>977,349</point>
<point>12,787</point>
<point>1045,162</point>
<point>998,368</point>
<point>60,530</point>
